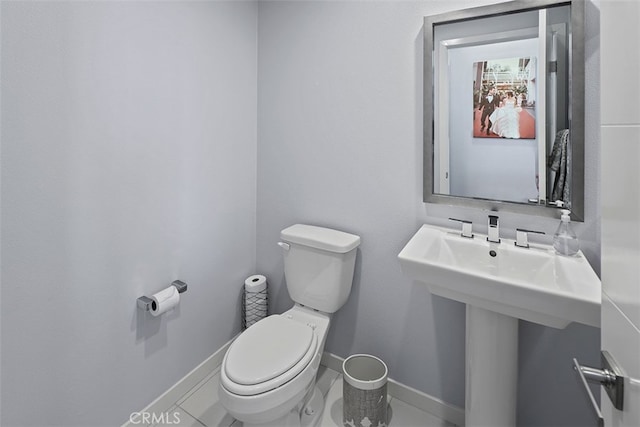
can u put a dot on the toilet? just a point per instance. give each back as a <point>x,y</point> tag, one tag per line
<point>268,374</point>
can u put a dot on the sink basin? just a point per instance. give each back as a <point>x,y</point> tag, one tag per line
<point>534,284</point>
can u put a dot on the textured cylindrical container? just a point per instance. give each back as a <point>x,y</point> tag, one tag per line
<point>254,300</point>
<point>364,391</point>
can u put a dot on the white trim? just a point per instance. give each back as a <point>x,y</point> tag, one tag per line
<point>441,409</point>
<point>332,361</point>
<point>445,411</point>
<point>170,397</point>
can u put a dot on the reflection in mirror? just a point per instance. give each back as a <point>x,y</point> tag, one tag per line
<point>503,107</point>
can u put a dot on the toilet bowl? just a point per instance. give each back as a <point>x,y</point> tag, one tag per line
<point>268,374</point>
<point>272,365</point>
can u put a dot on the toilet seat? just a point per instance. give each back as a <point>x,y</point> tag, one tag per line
<point>267,355</point>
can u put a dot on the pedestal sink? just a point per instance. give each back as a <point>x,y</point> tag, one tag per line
<point>500,283</point>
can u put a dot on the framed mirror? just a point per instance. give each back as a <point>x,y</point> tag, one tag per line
<point>504,107</point>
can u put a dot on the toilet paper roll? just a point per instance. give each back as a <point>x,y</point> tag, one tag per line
<point>164,300</point>
<point>255,283</point>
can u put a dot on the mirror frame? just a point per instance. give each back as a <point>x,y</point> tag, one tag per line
<point>576,113</point>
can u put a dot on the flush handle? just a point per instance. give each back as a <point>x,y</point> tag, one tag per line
<point>611,377</point>
<point>284,245</point>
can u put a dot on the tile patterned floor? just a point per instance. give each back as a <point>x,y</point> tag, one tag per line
<point>200,407</point>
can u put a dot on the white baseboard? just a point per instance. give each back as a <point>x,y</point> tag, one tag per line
<point>167,399</point>
<point>423,401</point>
<point>433,405</point>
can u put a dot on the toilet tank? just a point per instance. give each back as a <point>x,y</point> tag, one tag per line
<point>318,265</point>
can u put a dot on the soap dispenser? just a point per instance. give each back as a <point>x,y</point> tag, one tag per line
<point>565,241</point>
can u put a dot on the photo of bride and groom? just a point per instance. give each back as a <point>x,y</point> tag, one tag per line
<point>504,99</point>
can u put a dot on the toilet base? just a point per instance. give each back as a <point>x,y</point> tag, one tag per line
<point>309,416</point>
<point>312,413</point>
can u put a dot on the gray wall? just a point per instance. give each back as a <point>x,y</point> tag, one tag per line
<point>128,160</point>
<point>340,145</point>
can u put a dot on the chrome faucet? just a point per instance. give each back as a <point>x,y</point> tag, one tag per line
<point>493,233</point>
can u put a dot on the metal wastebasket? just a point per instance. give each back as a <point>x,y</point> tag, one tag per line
<point>364,391</point>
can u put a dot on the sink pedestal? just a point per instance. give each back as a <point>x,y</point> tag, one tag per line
<point>500,283</point>
<point>491,368</point>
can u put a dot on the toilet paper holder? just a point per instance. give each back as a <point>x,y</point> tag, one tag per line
<point>144,302</point>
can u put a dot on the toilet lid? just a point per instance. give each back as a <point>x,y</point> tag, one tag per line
<point>267,349</point>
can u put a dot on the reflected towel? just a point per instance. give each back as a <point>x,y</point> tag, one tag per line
<point>559,161</point>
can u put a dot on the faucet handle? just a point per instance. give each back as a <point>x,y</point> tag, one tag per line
<point>522,239</point>
<point>467,227</point>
